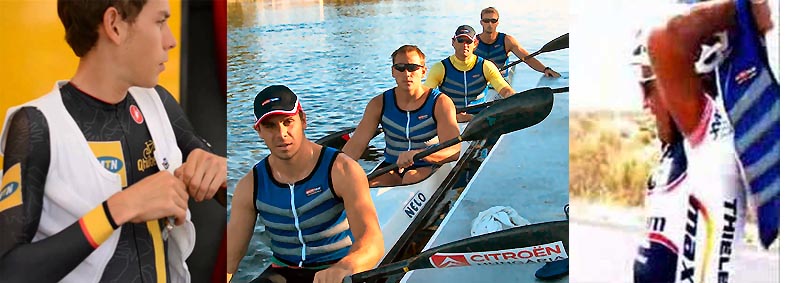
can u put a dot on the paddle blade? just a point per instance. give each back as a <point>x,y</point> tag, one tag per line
<point>336,139</point>
<point>522,110</point>
<point>556,44</point>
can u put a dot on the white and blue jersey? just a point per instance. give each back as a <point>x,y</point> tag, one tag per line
<point>407,130</point>
<point>305,221</point>
<point>695,207</point>
<point>464,87</point>
<point>752,98</point>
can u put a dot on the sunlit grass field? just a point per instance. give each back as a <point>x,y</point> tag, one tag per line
<point>611,155</point>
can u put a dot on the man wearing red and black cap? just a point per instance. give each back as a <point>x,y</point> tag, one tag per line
<point>464,76</point>
<point>313,201</point>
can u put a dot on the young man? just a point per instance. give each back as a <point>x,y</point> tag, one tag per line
<point>695,199</point>
<point>314,202</point>
<point>93,164</point>
<point>464,76</point>
<point>496,46</point>
<point>412,116</point>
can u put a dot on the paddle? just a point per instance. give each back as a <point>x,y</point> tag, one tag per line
<point>554,45</point>
<point>542,242</point>
<point>483,105</point>
<point>336,139</point>
<point>514,113</point>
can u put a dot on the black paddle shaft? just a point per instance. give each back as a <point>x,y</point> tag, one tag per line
<point>558,43</point>
<point>489,103</point>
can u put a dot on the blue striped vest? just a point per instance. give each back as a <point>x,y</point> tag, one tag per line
<point>752,99</point>
<point>495,52</point>
<point>404,130</point>
<point>464,87</point>
<point>305,221</point>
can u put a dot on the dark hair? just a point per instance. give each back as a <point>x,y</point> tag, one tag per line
<point>408,48</point>
<point>489,10</point>
<point>81,19</point>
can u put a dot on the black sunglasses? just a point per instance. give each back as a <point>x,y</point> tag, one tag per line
<point>493,21</point>
<point>464,40</point>
<point>400,67</point>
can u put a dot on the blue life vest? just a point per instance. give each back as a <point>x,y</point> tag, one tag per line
<point>752,99</point>
<point>306,221</point>
<point>407,130</point>
<point>464,88</point>
<point>495,52</point>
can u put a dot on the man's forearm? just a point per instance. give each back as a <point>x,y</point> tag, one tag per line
<point>364,254</point>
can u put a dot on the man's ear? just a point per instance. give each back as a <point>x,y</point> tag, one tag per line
<point>112,26</point>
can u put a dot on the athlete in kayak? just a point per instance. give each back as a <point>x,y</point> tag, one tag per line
<point>696,197</point>
<point>314,202</point>
<point>413,118</point>
<point>94,168</point>
<point>464,76</point>
<point>496,46</point>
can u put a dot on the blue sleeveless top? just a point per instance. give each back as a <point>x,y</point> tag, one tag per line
<point>495,52</point>
<point>752,98</point>
<point>407,130</point>
<point>464,88</point>
<point>305,221</point>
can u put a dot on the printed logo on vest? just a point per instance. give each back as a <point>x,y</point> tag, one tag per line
<point>497,46</point>
<point>475,76</point>
<point>422,117</point>
<point>746,75</point>
<point>136,114</point>
<point>111,157</point>
<point>310,192</point>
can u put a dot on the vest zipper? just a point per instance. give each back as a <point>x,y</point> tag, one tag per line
<point>465,90</point>
<point>407,129</point>
<point>297,224</point>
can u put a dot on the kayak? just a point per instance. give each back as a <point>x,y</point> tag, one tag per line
<point>398,206</point>
<point>525,180</point>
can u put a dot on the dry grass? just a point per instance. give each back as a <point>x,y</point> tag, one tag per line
<point>611,155</point>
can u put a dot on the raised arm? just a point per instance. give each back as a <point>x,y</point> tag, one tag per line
<point>350,183</point>
<point>366,128</point>
<point>674,49</point>
<point>241,222</point>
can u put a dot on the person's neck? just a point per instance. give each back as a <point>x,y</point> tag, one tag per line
<point>462,58</point>
<point>409,99</point>
<point>99,80</point>
<point>488,37</point>
<point>299,166</point>
<point>410,93</point>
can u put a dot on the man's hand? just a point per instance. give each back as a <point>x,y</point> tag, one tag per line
<point>203,173</point>
<point>406,159</point>
<point>551,73</point>
<point>157,196</point>
<point>463,117</point>
<point>334,274</point>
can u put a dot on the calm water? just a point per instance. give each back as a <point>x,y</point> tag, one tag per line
<point>336,57</point>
